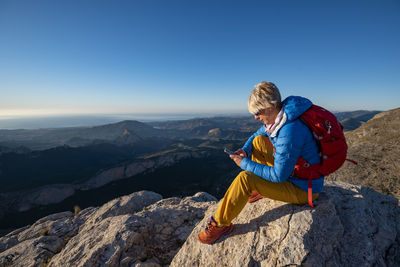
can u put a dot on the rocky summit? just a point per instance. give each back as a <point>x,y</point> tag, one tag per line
<point>350,226</point>
<point>140,229</point>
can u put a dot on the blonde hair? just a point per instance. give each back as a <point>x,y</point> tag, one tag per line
<point>264,95</point>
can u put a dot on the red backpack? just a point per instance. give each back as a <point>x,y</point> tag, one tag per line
<point>328,132</point>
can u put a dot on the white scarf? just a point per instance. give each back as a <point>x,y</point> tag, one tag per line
<point>280,119</point>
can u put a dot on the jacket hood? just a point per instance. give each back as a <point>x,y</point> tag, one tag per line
<point>294,106</point>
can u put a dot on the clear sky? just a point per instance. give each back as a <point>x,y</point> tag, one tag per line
<point>148,56</point>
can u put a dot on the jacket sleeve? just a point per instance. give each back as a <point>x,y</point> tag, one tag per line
<point>248,146</point>
<point>288,147</point>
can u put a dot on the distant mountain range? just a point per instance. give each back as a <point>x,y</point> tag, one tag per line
<point>362,115</point>
<point>354,119</point>
<point>121,132</point>
<point>131,132</point>
<point>126,132</point>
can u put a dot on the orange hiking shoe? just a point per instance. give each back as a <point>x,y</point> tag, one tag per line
<point>213,232</point>
<point>254,197</point>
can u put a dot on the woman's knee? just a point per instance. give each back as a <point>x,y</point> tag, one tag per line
<point>260,140</point>
<point>262,151</point>
<point>241,178</point>
<point>245,179</point>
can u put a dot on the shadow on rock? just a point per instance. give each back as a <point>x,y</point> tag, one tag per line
<point>366,229</point>
<point>255,223</point>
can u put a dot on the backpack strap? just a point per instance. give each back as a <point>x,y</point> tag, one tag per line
<point>310,178</point>
<point>310,193</point>
<point>352,161</point>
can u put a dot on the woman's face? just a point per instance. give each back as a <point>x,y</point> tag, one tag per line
<point>267,115</point>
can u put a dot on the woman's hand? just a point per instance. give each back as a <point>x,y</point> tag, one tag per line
<point>237,159</point>
<point>241,153</point>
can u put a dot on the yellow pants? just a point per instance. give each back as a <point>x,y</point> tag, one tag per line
<point>241,188</point>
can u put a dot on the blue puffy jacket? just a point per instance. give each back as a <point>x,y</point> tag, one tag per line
<point>291,140</point>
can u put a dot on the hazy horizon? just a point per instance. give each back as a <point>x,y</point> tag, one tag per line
<point>88,120</point>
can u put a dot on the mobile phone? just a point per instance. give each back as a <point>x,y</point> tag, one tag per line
<point>227,151</point>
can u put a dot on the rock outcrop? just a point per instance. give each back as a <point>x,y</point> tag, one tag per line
<point>140,228</point>
<point>350,226</point>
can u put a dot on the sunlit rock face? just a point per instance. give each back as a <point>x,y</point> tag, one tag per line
<point>141,227</point>
<point>350,226</point>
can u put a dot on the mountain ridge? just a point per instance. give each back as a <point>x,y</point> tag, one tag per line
<point>231,127</point>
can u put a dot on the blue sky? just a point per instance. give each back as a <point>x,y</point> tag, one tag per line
<point>100,57</point>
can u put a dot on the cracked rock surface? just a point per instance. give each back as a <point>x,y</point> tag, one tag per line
<point>140,229</point>
<point>350,226</point>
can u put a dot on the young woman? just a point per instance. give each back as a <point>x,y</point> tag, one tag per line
<point>268,159</point>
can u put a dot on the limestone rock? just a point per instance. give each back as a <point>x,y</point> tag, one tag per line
<point>150,237</point>
<point>61,225</point>
<point>124,205</point>
<point>140,229</point>
<point>350,226</point>
<point>52,232</point>
<point>32,252</point>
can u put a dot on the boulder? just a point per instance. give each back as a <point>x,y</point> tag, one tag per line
<point>59,228</point>
<point>350,226</point>
<point>150,237</point>
<point>140,229</point>
<point>124,205</point>
<point>61,225</point>
<point>33,252</point>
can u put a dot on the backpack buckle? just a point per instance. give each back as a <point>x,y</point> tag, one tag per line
<point>328,125</point>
